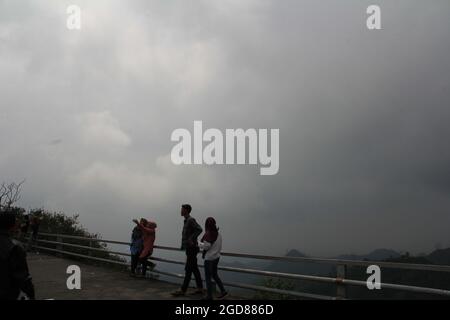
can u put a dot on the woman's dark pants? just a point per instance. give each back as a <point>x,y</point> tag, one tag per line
<point>134,262</point>
<point>211,273</point>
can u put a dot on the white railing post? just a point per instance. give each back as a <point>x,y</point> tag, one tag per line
<point>90,246</point>
<point>59,246</point>
<point>340,277</point>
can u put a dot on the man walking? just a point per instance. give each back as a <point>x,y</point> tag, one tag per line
<point>191,231</point>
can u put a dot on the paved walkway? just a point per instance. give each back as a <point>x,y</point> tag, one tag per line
<point>49,278</point>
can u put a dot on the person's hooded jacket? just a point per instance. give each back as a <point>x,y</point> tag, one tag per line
<point>148,236</point>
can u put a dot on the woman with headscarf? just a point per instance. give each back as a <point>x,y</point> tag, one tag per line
<point>211,245</point>
<point>148,238</point>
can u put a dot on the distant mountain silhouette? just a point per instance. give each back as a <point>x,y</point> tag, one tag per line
<point>298,267</point>
<point>440,256</point>
<point>325,269</point>
<point>375,255</point>
<point>295,253</point>
<point>411,277</point>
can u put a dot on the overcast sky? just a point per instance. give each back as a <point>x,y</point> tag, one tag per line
<point>86,118</point>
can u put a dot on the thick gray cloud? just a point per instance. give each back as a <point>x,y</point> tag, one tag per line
<point>86,117</point>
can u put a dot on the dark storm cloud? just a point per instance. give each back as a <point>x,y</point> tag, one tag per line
<point>86,117</point>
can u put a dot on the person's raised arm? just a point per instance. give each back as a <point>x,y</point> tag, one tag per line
<point>144,228</point>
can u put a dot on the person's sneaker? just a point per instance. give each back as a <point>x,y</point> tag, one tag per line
<point>178,293</point>
<point>222,295</point>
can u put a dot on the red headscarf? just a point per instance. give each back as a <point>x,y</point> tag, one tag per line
<point>211,230</point>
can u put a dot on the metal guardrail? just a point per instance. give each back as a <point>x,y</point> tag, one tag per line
<point>340,280</point>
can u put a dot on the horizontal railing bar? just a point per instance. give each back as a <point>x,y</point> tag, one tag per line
<point>384,264</point>
<point>167,248</point>
<point>81,255</point>
<point>83,238</point>
<point>279,291</point>
<point>238,285</point>
<point>231,269</point>
<point>402,287</point>
<point>321,279</point>
<point>170,274</point>
<point>264,273</point>
<point>65,244</point>
<point>257,288</point>
<point>167,260</point>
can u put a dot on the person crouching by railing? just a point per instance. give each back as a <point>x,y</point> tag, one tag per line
<point>136,246</point>
<point>148,237</point>
<point>211,245</point>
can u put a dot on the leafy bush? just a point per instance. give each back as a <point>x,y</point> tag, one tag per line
<point>59,223</point>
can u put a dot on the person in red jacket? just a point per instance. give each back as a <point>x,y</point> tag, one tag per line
<point>148,236</point>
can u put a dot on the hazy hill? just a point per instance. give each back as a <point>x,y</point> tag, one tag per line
<point>312,268</point>
<point>375,255</point>
<point>441,256</point>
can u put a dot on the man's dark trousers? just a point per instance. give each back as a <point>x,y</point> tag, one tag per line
<point>191,268</point>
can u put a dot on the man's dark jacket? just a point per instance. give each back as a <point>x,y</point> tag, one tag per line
<point>191,231</point>
<point>14,275</point>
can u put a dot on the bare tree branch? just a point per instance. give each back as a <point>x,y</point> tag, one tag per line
<point>10,194</point>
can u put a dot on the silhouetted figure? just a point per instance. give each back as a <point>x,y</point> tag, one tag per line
<point>15,279</point>
<point>136,246</point>
<point>211,246</point>
<point>24,226</point>
<point>191,231</point>
<point>148,237</point>
<point>35,223</point>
